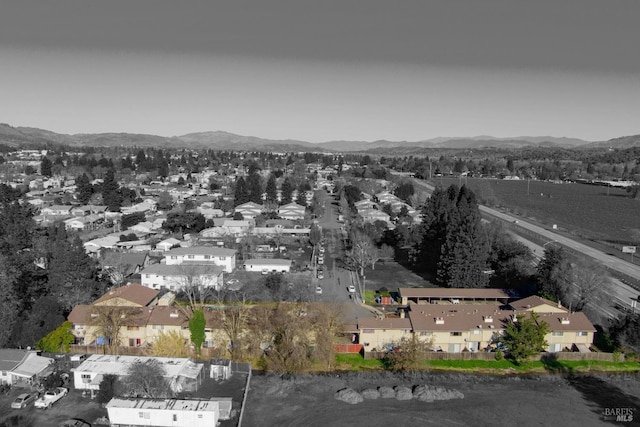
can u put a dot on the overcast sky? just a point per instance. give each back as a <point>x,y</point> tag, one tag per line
<point>323,70</point>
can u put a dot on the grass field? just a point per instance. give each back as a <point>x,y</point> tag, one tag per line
<point>589,211</point>
<point>355,362</point>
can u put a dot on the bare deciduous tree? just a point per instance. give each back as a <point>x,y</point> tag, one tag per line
<point>109,320</point>
<point>147,379</point>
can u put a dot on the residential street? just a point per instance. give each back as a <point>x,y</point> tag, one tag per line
<point>337,279</point>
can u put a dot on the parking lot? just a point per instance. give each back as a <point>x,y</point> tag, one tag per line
<point>73,405</point>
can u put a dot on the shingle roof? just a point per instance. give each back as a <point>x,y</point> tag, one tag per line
<point>134,292</point>
<point>455,293</point>
<point>202,250</point>
<point>183,269</point>
<point>384,323</point>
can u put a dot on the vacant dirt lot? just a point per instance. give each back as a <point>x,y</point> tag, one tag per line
<point>545,400</point>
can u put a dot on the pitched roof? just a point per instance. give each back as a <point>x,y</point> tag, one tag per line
<point>201,250</point>
<point>84,314</point>
<point>530,303</point>
<point>10,358</point>
<point>183,269</point>
<point>384,323</point>
<point>268,261</point>
<point>134,292</point>
<point>455,293</point>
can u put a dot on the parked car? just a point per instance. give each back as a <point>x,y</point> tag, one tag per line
<point>320,274</point>
<point>321,249</point>
<point>319,290</point>
<point>23,400</point>
<point>352,289</point>
<point>74,422</point>
<point>50,397</point>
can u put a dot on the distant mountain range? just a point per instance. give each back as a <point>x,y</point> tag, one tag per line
<point>218,140</point>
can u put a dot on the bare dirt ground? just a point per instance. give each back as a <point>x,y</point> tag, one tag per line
<point>308,400</point>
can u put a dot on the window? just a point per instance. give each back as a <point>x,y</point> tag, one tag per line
<point>133,328</point>
<point>86,378</point>
<point>148,276</point>
<point>207,257</point>
<point>557,333</point>
<point>425,334</point>
<point>164,277</point>
<point>158,327</point>
<point>476,332</point>
<point>189,256</point>
<point>199,415</point>
<point>144,415</point>
<point>582,334</point>
<point>175,417</point>
<point>367,331</point>
<point>456,334</point>
<point>174,257</point>
<point>222,258</point>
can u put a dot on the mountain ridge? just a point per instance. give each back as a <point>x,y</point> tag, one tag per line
<point>222,140</point>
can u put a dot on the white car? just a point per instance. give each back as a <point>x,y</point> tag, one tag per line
<point>23,400</point>
<point>352,289</point>
<point>321,249</point>
<point>50,397</point>
<point>318,290</point>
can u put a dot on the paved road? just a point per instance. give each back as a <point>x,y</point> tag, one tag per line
<point>337,279</point>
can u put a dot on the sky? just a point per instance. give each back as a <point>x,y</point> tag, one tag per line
<point>323,70</point>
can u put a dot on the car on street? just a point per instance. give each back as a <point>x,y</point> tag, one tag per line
<point>320,260</point>
<point>321,249</point>
<point>319,290</point>
<point>320,274</point>
<point>352,289</point>
<point>23,400</point>
<point>50,397</point>
<point>74,422</point>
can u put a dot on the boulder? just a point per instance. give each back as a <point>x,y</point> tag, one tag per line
<point>349,395</point>
<point>387,392</point>
<point>427,393</point>
<point>403,393</point>
<point>370,393</point>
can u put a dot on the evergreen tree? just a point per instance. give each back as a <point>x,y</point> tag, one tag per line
<point>197,325</point>
<point>272,189</point>
<point>465,252</point>
<point>436,214</point>
<point>111,192</point>
<point>286,191</point>
<point>84,189</point>
<point>241,194</point>
<point>72,274</point>
<point>254,187</point>
<point>45,167</point>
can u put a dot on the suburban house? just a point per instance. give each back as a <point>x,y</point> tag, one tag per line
<point>167,412</point>
<point>177,276</point>
<point>167,244</point>
<point>143,325</point>
<point>22,367</point>
<point>56,210</point>
<point>291,211</point>
<point>372,215</point>
<point>459,326</point>
<point>268,265</point>
<point>380,334</point>
<point>121,265</point>
<point>249,210</point>
<point>236,227</point>
<point>133,295</point>
<point>225,258</point>
<point>181,373</point>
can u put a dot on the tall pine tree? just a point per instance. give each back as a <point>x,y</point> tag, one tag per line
<point>465,252</point>
<point>241,194</point>
<point>111,195</point>
<point>272,189</point>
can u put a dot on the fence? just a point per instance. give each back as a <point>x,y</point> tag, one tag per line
<point>347,348</point>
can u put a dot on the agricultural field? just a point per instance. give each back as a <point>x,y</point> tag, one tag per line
<point>587,211</point>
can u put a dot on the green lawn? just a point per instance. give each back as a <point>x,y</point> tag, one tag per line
<point>355,362</point>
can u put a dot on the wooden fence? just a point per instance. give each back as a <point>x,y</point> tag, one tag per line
<point>205,353</point>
